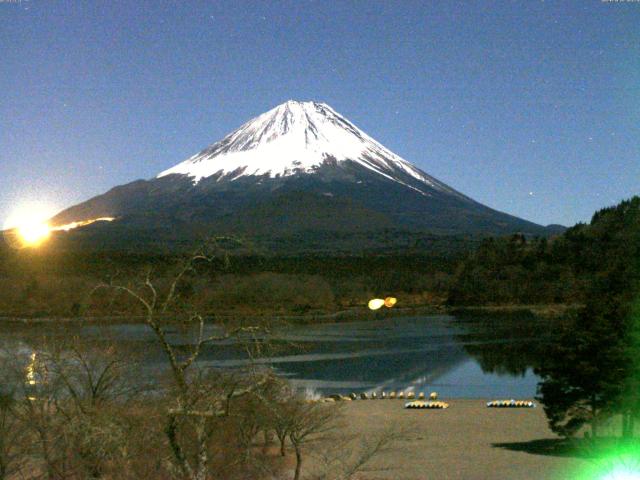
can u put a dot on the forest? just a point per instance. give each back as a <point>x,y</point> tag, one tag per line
<point>517,270</point>
<point>503,271</point>
<point>589,371</point>
<point>74,416</point>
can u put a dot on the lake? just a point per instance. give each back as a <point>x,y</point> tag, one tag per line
<point>471,357</point>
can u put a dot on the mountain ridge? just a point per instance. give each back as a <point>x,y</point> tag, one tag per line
<point>295,137</point>
<point>299,167</point>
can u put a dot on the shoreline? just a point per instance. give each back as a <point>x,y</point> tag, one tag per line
<point>466,441</point>
<point>340,316</point>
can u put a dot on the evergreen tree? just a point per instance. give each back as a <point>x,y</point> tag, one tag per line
<point>582,376</point>
<point>594,369</point>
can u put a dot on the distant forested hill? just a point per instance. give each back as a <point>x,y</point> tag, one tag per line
<point>516,270</point>
<point>419,270</point>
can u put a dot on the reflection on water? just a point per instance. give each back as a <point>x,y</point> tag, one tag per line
<point>458,357</point>
<point>31,369</point>
<point>507,344</point>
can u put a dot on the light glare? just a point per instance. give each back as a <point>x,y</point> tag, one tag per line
<point>34,233</point>
<point>623,473</point>
<point>390,301</point>
<point>28,225</point>
<point>376,303</point>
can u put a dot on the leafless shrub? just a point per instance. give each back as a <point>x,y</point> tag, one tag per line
<point>12,441</point>
<point>308,422</point>
<point>194,407</point>
<point>345,457</point>
<point>80,414</point>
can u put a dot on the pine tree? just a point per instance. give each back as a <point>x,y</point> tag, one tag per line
<point>581,375</point>
<point>594,369</point>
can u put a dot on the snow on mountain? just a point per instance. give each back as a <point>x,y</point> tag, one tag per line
<point>298,137</point>
<point>296,176</point>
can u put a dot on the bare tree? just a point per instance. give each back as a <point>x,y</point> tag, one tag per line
<point>344,457</point>
<point>94,382</point>
<point>62,401</point>
<point>195,405</point>
<point>12,438</point>
<point>276,404</point>
<point>34,395</point>
<point>307,422</point>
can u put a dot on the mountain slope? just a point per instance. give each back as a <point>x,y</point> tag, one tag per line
<point>298,168</point>
<point>294,138</point>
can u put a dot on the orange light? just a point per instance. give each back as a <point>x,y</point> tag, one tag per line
<point>390,301</point>
<point>27,225</point>
<point>81,223</point>
<point>34,233</point>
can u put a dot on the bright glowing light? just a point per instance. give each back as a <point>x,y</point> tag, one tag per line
<point>82,223</point>
<point>34,233</point>
<point>620,461</point>
<point>29,212</point>
<point>31,370</point>
<point>376,303</point>
<point>390,301</point>
<point>27,226</point>
<point>623,473</point>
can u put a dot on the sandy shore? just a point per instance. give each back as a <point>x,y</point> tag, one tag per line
<point>467,441</point>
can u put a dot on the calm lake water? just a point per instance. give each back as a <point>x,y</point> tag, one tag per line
<point>473,357</point>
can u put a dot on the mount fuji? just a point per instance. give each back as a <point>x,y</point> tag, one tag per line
<point>298,171</point>
<point>295,138</point>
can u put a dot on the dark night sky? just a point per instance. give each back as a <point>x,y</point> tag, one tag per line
<point>531,107</point>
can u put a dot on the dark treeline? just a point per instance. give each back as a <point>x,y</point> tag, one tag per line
<point>589,363</point>
<point>593,373</point>
<point>45,283</point>
<point>13,263</point>
<point>512,270</point>
<point>516,270</point>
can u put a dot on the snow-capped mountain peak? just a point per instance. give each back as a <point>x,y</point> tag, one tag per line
<point>298,176</point>
<point>297,137</point>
